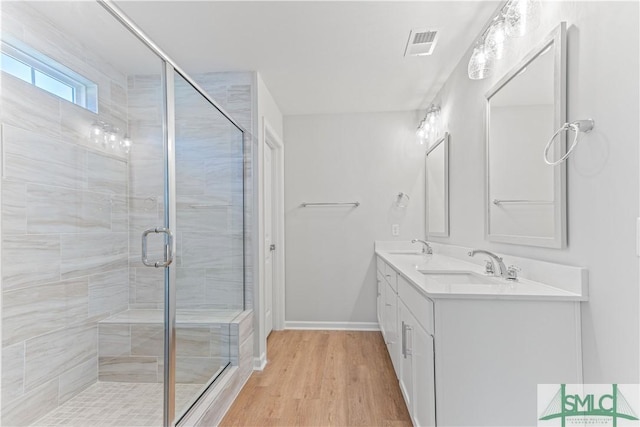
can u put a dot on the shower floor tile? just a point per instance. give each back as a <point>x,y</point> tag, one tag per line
<point>118,405</point>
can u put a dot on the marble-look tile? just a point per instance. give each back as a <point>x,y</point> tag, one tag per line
<point>119,213</point>
<point>220,341</point>
<point>31,406</point>
<point>37,158</point>
<point>63,210</point>
<point>239,104</point>
<point>106,174</point>
<point>206,250</point>
<point>95,213</point>
<point>234,343</point>
<point>197,370</point>
<point>149,285</point>
<point>14,207</point>
<point>147,177</point>
<point>49,355</point>
<point>109,292</point>
<point>12,372</point>
<point>202,214</point>
<point>118,101</point>
<point>134,369</point>
<point>148,142</point>
<point>29,312</point>
<point>11,22</point>
<point>144,81</point>
<point>75,122</point>
<point>246,355</point>
<point>245,325</point>
<point>77,379</point>
<point>223,177</point>
<point>28,106</point>
<point>145,105</point>
<point>132,284</point>
<point>30,260</point>
<point>193,341</point>
<point>190,176</point>
<point>92,253</point>
<point>114,340</point>
<point>224,294</point>
<point>52,209</point>
<point>147,340</point>
<point>189,286</point>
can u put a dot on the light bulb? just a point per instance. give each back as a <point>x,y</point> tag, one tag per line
<point>95,133</point>
<point>521,17</point>
<point>481,62</point>
<point>111,137</point>
<point>421,132</point>
<point>125,144</point>
<point>496,37</point>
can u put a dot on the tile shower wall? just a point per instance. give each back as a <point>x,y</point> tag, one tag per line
<point>236,93</point>
<point>209,158</point>
<point>64,225</point>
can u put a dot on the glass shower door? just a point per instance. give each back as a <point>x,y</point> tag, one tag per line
<point>209,264</point>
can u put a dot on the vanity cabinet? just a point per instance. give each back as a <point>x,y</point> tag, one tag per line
<point>417,373</point>
<point>388,311</point>
<point>407,327</point>
<point>476,360</point>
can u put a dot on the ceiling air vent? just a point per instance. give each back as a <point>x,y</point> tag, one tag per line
<point>421,42</point>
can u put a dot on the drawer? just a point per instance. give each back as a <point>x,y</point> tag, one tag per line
<point>419,305</point>
<point>389,274</point>
<point>392,277</point>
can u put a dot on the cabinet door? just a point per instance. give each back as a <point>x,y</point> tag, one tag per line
<point>424,407</point>
<point>391,326</point>
<point>380,302</point>
<point>406,359</point>
<point>417,379</point>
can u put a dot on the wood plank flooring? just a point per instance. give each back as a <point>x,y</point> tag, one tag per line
<point>322,378</point>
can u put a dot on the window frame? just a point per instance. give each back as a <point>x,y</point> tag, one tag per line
<point>84,91</point>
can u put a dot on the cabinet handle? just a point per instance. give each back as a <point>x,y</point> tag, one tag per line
<point>388,305</point>
<point>404,340</point>
<point>408,348</point>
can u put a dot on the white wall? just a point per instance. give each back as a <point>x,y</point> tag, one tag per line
<point>602,173</point>
<point>368,157</point>
<point>268,113</point>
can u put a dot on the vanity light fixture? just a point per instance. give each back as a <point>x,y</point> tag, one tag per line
<point>429,128</point>
<point>107,136</point>
<point>515,19</point>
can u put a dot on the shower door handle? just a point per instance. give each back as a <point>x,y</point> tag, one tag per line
<point>168,247</point>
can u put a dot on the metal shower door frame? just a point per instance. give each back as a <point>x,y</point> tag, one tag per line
<point>170,215</point>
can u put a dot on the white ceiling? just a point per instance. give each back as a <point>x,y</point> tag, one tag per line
<point>318,56</point>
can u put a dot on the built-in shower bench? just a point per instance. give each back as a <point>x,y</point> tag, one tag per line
<point>131,344</point>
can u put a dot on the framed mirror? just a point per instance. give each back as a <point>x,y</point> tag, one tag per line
<point>437,188</point>
<point>525,197</point>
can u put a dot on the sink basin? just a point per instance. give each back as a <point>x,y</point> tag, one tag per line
<point>405,253</point>
<point>459,278</point>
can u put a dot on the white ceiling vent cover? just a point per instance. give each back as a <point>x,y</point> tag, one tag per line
<point>421,42</point>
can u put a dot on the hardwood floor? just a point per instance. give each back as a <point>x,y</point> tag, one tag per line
<point>322,378</point>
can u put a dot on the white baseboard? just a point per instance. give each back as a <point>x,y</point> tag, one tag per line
<point>333,326</point>
<point>260,362</point>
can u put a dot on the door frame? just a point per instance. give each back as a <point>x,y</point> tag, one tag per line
<point>274,142</point>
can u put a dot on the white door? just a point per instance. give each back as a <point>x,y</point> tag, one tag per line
<point>269,250</point>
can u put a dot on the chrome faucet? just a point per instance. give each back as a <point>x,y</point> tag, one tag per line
<point>489,268</point>
<point>426,248</point>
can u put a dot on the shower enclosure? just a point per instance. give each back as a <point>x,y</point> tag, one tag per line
<point>123,222</point>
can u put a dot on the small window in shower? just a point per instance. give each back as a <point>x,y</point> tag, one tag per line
<point>43,72</point>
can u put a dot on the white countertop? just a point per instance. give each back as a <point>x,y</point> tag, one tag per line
<point>409,264</point>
